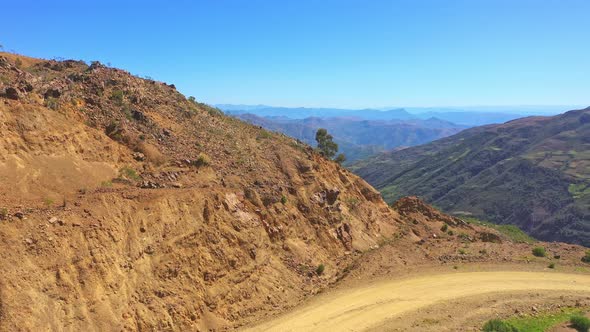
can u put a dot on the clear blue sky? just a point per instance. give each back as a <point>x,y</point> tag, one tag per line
<point>331,53</point>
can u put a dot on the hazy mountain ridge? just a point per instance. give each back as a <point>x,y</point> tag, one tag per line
<point>467,116</point>
<point>359,138</point>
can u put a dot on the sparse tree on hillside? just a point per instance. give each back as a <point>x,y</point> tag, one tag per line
<point>340,158</point>
<point>326,143</point>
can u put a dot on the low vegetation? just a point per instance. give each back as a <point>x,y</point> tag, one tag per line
<point>320,269</point>
<point>512,232</point>
<point>129,173</point>
<point>496,325</point>
<point>580,323</point>
<point>539,252</point>
<point>541,322</point>
<point>118,97</point>
<point>586,258</point>
<point>202,160</point>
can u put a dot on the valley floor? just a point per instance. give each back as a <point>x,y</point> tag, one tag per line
<point>439,301</point>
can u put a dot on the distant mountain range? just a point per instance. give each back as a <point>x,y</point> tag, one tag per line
<point>466,116</point>
<point>532,172</point>
<point>358,138</point>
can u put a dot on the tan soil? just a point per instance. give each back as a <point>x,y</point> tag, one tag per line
<point>372,306</point>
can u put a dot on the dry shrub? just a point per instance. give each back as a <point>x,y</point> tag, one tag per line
<point>152,154</point>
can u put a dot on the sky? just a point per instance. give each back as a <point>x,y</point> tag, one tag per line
<point>328,53</point>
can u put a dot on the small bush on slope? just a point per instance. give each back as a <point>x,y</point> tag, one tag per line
<point>580,323</point>
<point>539,252</point>
<point>496,325</point>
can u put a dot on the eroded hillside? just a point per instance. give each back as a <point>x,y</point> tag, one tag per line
<point>126,205</point>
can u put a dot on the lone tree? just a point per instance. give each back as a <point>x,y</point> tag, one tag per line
<point>326,143</point>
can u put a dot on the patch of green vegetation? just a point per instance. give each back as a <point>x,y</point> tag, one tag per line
<point>118,96</point>
<point>586,258</point>
<point>283,199</point>
<point>539,252</point>
<point>3,213</point>
<point>464,237</point>
<point>580,323</point>
<point>513,233</point>
<point>264,134</point>
<point>129,173</point>
<point>579,190</point>
<point>497,325</point>
<point>320,269</point>
<point>542,322</point>
<point>444,228</point>
<point>127,111</point>
<point>202,160</point>
<point>106,184</point>
<point>551,265</point>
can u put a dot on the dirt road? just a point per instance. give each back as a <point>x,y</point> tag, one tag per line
<point>361,308</point>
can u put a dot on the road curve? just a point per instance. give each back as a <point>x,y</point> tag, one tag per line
<point>361,308</point>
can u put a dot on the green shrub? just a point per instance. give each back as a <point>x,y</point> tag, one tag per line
<point>202,160</point>
<point>263,135</point>
<point>129,173</point>
<point>462,251</point>
<point>580,323</point>
<point>444,228</point>
<point>539,252</point>
<point>450,232</point>
<point>551,266</point>
<point>118,96</point>
<point>496,325</point>
<point>586,258</point>
<point>284,199</point>
<point>3,213</point>
<point>320,269</point>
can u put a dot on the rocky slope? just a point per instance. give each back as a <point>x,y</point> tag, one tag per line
<point>125,205</point>
<point>532,172</point>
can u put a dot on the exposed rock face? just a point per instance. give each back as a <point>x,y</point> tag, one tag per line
<point>122,231</point>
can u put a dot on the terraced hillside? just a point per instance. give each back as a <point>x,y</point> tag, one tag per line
<point>532,172</point>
